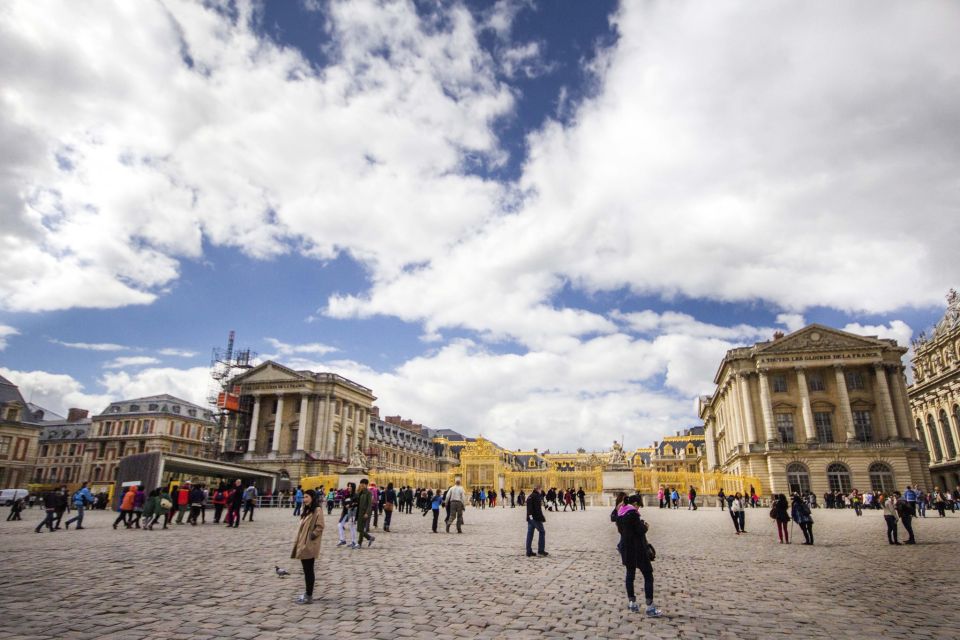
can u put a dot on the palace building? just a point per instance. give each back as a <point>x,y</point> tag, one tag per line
<point>18,438</point>
<point>816,410</point>
<point>935,395</point>
<point>63,442</point>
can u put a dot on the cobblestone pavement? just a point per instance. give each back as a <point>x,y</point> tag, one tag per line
<point>211,582</point>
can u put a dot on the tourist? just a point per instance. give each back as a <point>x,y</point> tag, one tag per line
<point>348,516</point>
<point>249,501</point>
<point>722,499</point>
<point>409,499</point>
<point>779,513</point>
<point>364,507</point>
<point>49,511</point>
<point>219,502</point>
<point>455,500</point>
<point>856,501</point>
<point>61,505</point>
<point>503,498</point>
<point>661,495</point>
<point>138,501</point>
<point>166,504</point>
<point>535,520</point>
<point>195,498</point>
<point>921,503</point>
<point>375,498</point>
<point>567,501</point>
<point>126,508</point>
<point>389,504</point>
<point>151,509</point>
<point>435,505</point>
<point>890,515</point>
<point>82,498</point>
<point>331,499</point>
<point>16,508</point>
<point>736,512</point>
<point>306,547</point>
<point>582,497</point>
<point>492,497</point>
<point>234,504</point>
<point>754,498</point>
<point>939,502</point>
<point>182,505</point>
<point>521,498</point>
<point>298,501</point>
<point>692,497</point>
<point>675,498</point>
<point>800,513</point>
<point>635,554</point>
<point>513,503</point>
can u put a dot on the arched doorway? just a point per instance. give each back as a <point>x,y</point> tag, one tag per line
<point>798,478</point>
<point>838,476</point>
<point>881,478</point>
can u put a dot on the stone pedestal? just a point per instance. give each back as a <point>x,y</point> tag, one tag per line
<point>352,475</point>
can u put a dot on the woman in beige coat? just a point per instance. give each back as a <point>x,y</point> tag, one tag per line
<point>306,548</point>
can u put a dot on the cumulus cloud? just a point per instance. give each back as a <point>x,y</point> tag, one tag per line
<point>130,361</point>
<point>179,353</point>
<point>193,385</point>
<point>91,346</point>
<point>5,333</point>
<point>55,391</point>
<point>896,329</point>
<point>284,349</point>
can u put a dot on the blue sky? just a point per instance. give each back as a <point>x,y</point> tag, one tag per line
<point>542,222</point>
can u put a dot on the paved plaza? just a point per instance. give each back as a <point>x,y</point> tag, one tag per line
<point>211,582</point>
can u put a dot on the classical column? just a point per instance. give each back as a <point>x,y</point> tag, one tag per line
<point>846,413</point>
<point>331,437</point>
<point>254,421</point>
<point>736,414</point>
<point>711,444</point>
<point>806,410</point>
<point>278,422</point>
<point>898,389</point>
<point>302,426</point>
<point>319,427</point>
<point>767,406</point>
<point>885,402</point>
<point>747,407</point>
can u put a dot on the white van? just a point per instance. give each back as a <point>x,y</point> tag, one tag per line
<point>8,496</point>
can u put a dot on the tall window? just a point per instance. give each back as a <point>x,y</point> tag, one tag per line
<point>947,435</point>
<point>932,432</point>
<point>838,476</point>
<point>823,421</point>
<point>5,445</point>
<point>815,382</point>
<point>780,383</point>
<point>862,426</point>
<point>798,478</point>
<point>854,380</point>
<point>881,477</point>
<point>785,426</point>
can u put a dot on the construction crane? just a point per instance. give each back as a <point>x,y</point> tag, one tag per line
<point>226,364</point>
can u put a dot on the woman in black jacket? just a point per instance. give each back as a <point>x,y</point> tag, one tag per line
<point>779,513</point>
<point>635,554</point>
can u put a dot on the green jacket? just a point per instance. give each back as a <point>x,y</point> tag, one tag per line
<point>151,506</point>
<point>364,504</point>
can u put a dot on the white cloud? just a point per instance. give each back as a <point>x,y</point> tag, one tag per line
<point>193,385</point>
<point>792,321</point>
<point>55,391</point>
<point>92,346</point>
<point>897,330</point>
<point>5,333</point>
<point>180,353</point>
<point>130,361</point>
<point>284,349</point>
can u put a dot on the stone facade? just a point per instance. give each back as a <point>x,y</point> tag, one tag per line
<point>63,443</point>
<point>398,445</point>
<point>935,395</point>
<point>814,410</point>
<point>300,423</point>
<point>18,438</point>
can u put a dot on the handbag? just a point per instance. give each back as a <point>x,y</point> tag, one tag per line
<point>165,504</point>
<point>651,552</point>
<point>388,507</point>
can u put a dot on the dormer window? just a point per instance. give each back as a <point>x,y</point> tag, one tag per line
<point>153,407</point>
<point>115,409</point>
<point>175,408</point>
<point>134,407</point>
<point>192,412</point>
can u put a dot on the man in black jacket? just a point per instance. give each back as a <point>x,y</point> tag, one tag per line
<point>233,506</point>
<point>535,520</point>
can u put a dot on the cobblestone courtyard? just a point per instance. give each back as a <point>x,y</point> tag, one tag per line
<point>208,581</point>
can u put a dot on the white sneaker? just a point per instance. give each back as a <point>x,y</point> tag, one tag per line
<point>653,612</point>
<point>633,606</point>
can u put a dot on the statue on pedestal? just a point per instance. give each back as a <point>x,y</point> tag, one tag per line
<point>617,456</point>
<point>358,460</point>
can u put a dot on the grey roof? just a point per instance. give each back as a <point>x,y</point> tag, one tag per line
<point>165,403</point>
<point>9,392</point>
<point>40,414</point>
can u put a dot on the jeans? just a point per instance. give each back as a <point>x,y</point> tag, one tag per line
<point>533,525</point>
<point>891,529</point>
<point>296,509</point>
<point>248,510</point>
<point>387,516</point>
<point>647,585</point>
<point>309,578</point>
<point>77,518</point>
<point>807,529</point>
<point>217,512</point>
<point>908,527</point>
<point>47,521</point>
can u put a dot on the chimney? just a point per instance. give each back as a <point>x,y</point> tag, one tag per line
<point>76,415</point>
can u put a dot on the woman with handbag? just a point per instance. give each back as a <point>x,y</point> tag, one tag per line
<point>306,547</point>
<point>636,553</point>
<point>389,504</point>
<point>779,513</point>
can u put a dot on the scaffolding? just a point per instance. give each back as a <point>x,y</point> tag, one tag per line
<point>233,411</point>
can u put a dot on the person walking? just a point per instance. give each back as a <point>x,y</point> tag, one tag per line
<point>780,514</point>
<point>219,502</point>
<point>298,501</point>
<point>182,505</point>
<point>49,511</point>
<point>364,509</point>
<point>389,504</point>
<point>151,509</point>
<point>348,516</point>
<point>692,497</point>
<point>890,515</point>
<point>856,501</point>
<point>16,509</point>
<point>166,507</point>
<point>939,502</point>
<point>905,509</point>
<point>800,512</point>
<point>195,498</point>
<point>331,500</point>
<point>675,498</point>
<point>82,498</point>
<point>249,501</point>
<point>635,554</point>
<point>736,512</point>
<point>234,504</point>
<point>455,499</point>
<point>582,497</point>
<point>722,499</point>
<point>138,501</point>
<point>513,498</point>
<point>306,546</point>
<point>435,505</point>
<point>535,520</point>
<point>126,508</point>
<point>661,495</point>
<point>62,502</point>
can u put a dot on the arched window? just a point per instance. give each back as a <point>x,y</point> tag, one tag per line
<point>947,434</point>
<point>838,476</point>
<point>934,439</point>
<point>881,478</point>
<point>798,478</point>
<point>920,436</point>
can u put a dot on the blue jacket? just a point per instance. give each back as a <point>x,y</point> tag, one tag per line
<point>910,495</point>
<point>298,498</point>
<point>800,512</point>
<point>437,501</point>
<point>78,497</point>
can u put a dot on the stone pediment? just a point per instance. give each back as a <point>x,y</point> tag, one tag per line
<point>269,372</point>
<point>819,338</point>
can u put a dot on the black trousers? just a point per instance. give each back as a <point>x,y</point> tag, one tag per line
<point>647,584</point>
<point>807,529</point>
<point>217,512</point>
<point>891,529</point>
<point>309,578</point>
<point>436,518</point>
<point>908,527</point>
<point>47,521</point>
